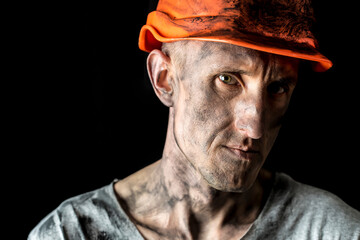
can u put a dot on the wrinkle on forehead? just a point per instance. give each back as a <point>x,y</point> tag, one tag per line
<point>204,49</point>
<point>216,56</point>
<point>245,60</point>
<point>230,58</point>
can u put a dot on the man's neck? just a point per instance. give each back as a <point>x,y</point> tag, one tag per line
<point>171,199</point>
<point>165,200</point>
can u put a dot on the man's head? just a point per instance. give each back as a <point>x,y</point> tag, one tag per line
<point>226,104</point>
<point>227,71</point>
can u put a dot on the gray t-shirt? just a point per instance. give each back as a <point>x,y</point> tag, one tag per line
<point>292,211</point>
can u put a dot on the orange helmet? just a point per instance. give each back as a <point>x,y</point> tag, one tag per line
<point>280,27</point>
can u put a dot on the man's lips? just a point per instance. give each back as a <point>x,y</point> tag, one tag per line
<point>244,153</point>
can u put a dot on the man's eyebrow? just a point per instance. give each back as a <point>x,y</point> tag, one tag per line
<point>286,80</point>
<point>230,69</point>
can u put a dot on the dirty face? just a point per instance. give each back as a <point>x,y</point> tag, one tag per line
<point>228,107</point>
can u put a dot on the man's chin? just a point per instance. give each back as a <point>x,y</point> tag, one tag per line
<point>229,183</point>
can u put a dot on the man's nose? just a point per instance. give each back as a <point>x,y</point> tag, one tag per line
<point>250,117</point>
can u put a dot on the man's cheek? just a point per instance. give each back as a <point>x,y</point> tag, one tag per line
<point>196,122</point>
<point>208,115</point>
<point>207,107</point>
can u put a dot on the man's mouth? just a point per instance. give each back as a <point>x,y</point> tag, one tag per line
<point>244,153</point>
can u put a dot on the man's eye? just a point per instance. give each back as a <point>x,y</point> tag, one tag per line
<point>228,79</point>
<point>277,88</point>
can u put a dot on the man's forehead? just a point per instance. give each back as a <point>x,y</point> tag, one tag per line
<point>204,49</point>
<point>217,55</point>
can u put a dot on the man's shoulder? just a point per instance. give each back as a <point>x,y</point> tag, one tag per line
<point>314,199</point>
<point>313,211</point>
<point>92,215</point>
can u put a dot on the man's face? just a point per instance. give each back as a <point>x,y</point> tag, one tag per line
<point>228,108</point>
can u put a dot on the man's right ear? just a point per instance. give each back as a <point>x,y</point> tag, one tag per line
<point>158,69</point>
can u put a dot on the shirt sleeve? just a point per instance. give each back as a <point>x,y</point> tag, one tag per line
<point>48,229</point>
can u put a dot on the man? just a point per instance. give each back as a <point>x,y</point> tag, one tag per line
<point>226,70</point>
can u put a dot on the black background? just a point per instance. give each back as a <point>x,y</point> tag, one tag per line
<point>81,110</point>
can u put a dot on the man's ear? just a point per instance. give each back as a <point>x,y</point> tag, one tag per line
<point>158,69</point>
